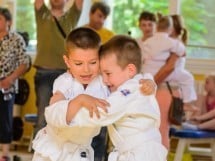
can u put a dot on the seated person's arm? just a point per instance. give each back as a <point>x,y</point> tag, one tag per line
<point>166,69</point>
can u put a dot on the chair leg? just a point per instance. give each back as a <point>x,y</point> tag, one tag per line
<point>213,150</point>
<point>180,150</point>
<point>30,143</point>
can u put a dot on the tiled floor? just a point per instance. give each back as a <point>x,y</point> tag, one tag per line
<point>22,152</point>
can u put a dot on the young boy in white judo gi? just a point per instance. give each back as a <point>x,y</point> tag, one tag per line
<point>133,119</point>
<point>157,49</point>
<point>65,143</point>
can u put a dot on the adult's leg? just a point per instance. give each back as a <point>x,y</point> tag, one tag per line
<point>43,80</point>
<point>99,145</point>
<point>164,99</point>
<point>6,123</point>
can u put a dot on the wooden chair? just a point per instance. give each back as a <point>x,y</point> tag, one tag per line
<point>187,137</point>
<point>31,118</point>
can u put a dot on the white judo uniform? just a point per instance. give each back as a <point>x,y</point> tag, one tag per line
<point>57,142</point>
<point>133,123</point>
<point>155,52</point>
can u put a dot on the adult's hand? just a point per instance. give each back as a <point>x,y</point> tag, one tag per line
<point>38,4</point>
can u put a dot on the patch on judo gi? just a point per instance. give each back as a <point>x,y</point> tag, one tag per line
<point>125,92</point>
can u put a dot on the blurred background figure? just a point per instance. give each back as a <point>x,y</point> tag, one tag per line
<point>55,24</point>
<point>13,63</point>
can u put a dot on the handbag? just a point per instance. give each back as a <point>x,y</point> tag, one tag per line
<point>176,111</point>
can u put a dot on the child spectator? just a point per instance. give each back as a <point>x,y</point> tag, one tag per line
<point>206,119</point>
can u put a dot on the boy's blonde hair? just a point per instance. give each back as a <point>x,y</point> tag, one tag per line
<point>126,50</point>
<point>83,38</point>
<point>164,23</point>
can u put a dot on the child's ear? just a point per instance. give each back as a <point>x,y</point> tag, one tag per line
<point>66,60</point>
<point>132,70</point>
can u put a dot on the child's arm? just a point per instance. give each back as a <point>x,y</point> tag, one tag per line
<point>57,96</point>
<point>89,102</point>
<point>62,112</point>
<point>122,103</point>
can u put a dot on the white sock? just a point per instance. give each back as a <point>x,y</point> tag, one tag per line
<point>187,125</point>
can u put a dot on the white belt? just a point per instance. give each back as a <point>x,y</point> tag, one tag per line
<point>70,150</point>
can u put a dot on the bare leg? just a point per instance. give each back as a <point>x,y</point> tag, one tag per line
<point>164,99</point>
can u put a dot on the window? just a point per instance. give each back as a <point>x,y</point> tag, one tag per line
<point>25,21</point>
<point>126,14</point>
<point>200,22</point>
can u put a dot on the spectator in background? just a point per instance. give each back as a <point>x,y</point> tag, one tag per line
<point>179,32</point>
<point>49,62</point>
<point>164,102</point>
<point>157,49</point>
<point>14,62</point>
<point>147,25</point>
<point>97,16</point>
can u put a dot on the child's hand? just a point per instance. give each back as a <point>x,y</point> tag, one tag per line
<point>148,86</point>
<point>92,104</point>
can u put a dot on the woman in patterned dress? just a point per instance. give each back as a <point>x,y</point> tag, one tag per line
<point>13,63</point>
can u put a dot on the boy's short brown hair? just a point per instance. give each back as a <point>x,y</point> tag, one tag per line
<point>147,16</point>
<point>103,7</point>
<point>126,50</point>
<point>83,38</point>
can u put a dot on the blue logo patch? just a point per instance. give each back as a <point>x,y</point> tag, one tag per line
<point>125,92</point>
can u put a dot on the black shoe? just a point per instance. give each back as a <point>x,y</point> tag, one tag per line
<point>16,158</point>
